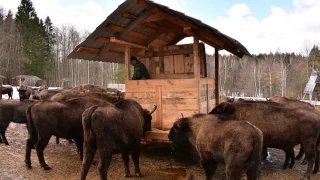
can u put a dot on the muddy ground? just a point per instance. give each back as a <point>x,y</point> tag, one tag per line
<point>156,163</point>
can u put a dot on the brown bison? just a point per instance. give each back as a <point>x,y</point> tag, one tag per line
<point>46,94</point>
<point>89,88</point>
<point>217,140</point>
<point>24,92</point>
<point>59,118</point>
<point>73,94</point>
<point>294,103</point>
<point>282,127</point>
<point>6,90</point>
<point>12,111</point>
<point>114,128</point>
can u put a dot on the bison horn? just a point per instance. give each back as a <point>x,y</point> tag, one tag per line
<point>154,109</point>
<point>182,115</point>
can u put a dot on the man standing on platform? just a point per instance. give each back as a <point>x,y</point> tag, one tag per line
<point>140,71</point>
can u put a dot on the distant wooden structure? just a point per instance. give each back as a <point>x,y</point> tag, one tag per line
<point>26,80</point>
<point>64,82</point>
<point>179,81</point>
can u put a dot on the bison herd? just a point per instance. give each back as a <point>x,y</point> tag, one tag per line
<point>236,134</point>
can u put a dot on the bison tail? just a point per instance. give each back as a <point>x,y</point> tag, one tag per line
<point>30,126</point>
<point>86,118</point>
<point>257,148</point>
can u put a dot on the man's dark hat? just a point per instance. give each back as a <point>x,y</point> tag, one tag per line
<point>133,58</point>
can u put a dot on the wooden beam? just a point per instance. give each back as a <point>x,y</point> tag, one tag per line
<point>216,75</point>
<point>128,15</point>
<point>154,17</point>
<point>175,19</point>
<point>98,51</point>
<point>134,23</point>
<point>118,41</point>
<point>103,39</point>
<point>88,50</point>
<point>162,53</point>
<point>127,62</point>
<point>212,40</point>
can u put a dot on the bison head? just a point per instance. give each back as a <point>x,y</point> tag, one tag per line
<point>147,118</point>
<point>179,134</point>
<point>223,109</point>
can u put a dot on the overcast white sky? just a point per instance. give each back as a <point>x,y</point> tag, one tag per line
<point>262,26</point>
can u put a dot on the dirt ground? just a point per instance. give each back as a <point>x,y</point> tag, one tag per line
<point>156,163</point>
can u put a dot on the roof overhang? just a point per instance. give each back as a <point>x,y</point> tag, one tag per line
<point>143,24</point>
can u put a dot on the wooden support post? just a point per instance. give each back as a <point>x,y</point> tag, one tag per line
<point>127,62</point>
<point>196,58</point>
<point>196,67</point>
<point>216,74</point>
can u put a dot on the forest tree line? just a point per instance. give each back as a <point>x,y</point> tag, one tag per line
<point>32,46</point>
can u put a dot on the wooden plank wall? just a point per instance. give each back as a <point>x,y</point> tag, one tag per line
<point>206,95</point>
<point>173,97</point>
<point>174,66</point>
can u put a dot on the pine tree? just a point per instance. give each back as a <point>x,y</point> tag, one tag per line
<point>33,35</point>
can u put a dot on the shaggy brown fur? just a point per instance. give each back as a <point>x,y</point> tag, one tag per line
<point>282,127</point>
<point>12,111</point>
<point>217,141</point>
<point>111,129</point>
<point>62,119</point>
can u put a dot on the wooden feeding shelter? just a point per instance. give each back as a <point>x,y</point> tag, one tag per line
<point>179,81</point>
<point>26,80</point>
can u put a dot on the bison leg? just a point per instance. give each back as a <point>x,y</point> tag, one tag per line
<point>310,154</point>
<point>125,158</point>
<point>233,171</point>
<point>3,136</point>
<point>264,153</point>
<point>135,158</point>
<point>301,152</point>
<point>57,140</point>
<point>317,162</point>
<point>89,152</point>
<point>41,144</point>
<point>209,167</point>
<point>289,157</point>
<point>252,172</point>
<point>29,146</point>
<point>79,144</point>
<point>105,159</point>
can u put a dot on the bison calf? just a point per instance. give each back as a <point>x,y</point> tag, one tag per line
<point>114,128</point>
<point>238,144</point>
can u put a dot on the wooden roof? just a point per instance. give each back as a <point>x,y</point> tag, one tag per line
<point>144,24</point>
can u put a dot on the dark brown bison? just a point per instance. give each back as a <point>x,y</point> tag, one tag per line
<point>73,94</point>
<point>46,94</point>
<point>59,118</point>
<point>24,92</point>
<point>282,127</point>
<point>114,128</point>
<point>6,90</point>
<point>294,103</point>
<point>217,140</point>
<point>12,111</point>
<point>89,88</point>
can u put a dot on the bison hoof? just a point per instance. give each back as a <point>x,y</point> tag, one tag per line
<point>304,162</point>
<point>28,166</point>
<point>46,167</point>
<point>138,174</point>
<point>314,171</point>
<point>127,175</point>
